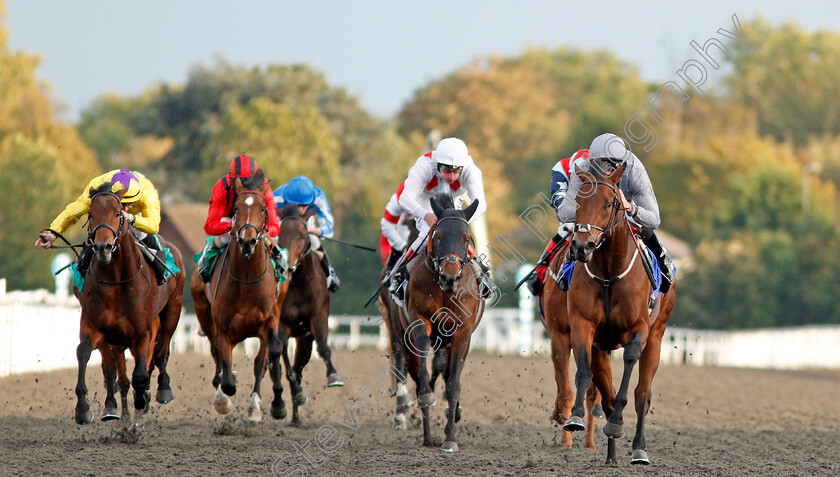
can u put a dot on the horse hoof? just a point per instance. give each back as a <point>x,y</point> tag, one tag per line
<point>426,400</point>
<point>616,431</point>
<point>229,389</point>
<point>400,422</point>
<point>221,402</point>
<point>334,380</point>
<point>279,412</point>
<point>449,446</point>
<point>83,418</point>
<point>573,424</point>
<point>164,396</point>
<point>403,400</point>
<point>639,457</point>
<point>598,411</point>
<point>300,398</point>
<point>110,414</point>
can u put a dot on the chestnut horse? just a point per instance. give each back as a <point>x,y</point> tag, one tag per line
<point>442,305</point>
<point>554,306</point>
<point>123,307</point>
<point>608,308</point>
<point>241,301</point>
<point>306,308</point>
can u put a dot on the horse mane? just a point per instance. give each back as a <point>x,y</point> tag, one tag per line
<point>105,187</point>
<point>255,181</point>
<point>290,210</point>
<point>446,202</point>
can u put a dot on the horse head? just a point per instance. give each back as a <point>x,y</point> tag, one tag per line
<point>449,241</point>
<point>293,235</point>
<point>105,221</point>
<point>250,215</point>
<point>598,207</point>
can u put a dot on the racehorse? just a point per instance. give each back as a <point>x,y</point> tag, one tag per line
<point>442,306</point>
<point>241,300</point>
<point>123,307</point>
<point>554,306</point>
<point>608,308</point>
<point>306,308</point>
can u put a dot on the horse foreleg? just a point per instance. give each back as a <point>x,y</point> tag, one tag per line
<point>321,332</point>
<point>632,352</point>
<point>648,364</point>
<point>418,343</point>
<point>303,351</point>
<point>439,366</point>
<point>142,352</point>
<point>581,342</point>
<point>109,371</point>
<point>225,356</point>
<point>457,355</point>
<point>260,365</point>
<point>276,348</point>
<point>89,340</point>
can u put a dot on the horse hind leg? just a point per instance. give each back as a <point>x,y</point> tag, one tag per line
<point>254,413</point>
<point>648,365</point>
<point>276,348</point>
<point>303,351</point>
<point>168,322</point>
<point>455,365</point>
<point>124,383</point>
<point>615,422</point>
<point>438,366</point>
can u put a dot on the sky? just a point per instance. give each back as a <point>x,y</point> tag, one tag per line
<point>381,52</point>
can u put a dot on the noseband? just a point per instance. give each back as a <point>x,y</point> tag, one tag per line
<point>604,232</point>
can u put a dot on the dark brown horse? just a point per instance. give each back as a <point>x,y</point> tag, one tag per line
<point>124,308</point>
<point>241,301</point>
<point>554,306</point>
<point>306,308</point>
<point>442,309</point>
<point>608,309</point>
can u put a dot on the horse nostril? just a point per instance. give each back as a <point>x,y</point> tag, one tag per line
<point>590,246</point>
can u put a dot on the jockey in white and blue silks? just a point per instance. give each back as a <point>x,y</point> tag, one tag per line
<point>448,170</point>
<point>303,192</point>
<point>635,192</point>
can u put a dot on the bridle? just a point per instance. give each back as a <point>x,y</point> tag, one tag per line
<point>440,262</point>
<point>261,230</point>
<point>118,233</point>
<point>606,231</point>
<point>306,251</point>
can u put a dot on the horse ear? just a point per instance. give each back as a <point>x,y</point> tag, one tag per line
<point>120,193</point>
<point>469,211</point>
<point>436,208</point>
<point>92,192</point>
<point>237,185</point>
<point>619,171</point>
<point>308,213</point>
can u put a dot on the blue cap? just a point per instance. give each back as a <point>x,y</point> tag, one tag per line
<point>300,190</point>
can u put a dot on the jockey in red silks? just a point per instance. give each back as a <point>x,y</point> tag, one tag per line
<point>218,221</point>
<point>448,170</point>
<point>561,175</point>
<point>395,232</point>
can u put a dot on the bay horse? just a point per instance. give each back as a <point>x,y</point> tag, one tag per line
<point>124,308</point>
<point>442,305</point>
<point>553,302</point>
<point>305,311</point>
<point>241,300</point>
<point>608,308</point>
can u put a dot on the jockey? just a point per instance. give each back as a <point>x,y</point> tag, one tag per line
<point>635,192</point>
<point>561,175</point>
<point>394,231</point>
<point>448,170</point>
<point>140,207</point>
<point>303,192</point>
<point>218,223</point>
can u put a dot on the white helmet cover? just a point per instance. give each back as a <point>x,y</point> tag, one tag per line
<point>451,152</point>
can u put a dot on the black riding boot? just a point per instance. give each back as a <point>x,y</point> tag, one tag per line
<point>83,262</point>
<point>533,283</point>
<point>393,257</point>
<point>156,257</point>
<point>563,283</point>
<point>486,286</point>
<point>666,264</point>
<point>400,276</point>
<point>332,278</point>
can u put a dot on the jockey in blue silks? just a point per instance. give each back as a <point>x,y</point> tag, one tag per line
<point>304,193</point>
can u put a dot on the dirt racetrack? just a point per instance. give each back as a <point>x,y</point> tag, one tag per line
<point>705,421</point>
